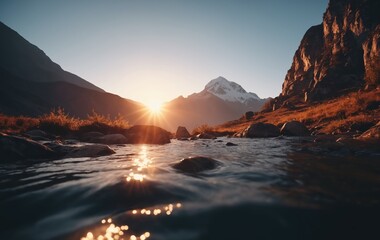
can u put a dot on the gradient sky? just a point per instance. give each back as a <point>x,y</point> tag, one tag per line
<point>157,50</point>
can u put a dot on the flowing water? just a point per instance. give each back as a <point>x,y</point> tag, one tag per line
<point>263,189</point>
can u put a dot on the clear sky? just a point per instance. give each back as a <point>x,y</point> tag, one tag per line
<point>157,50</point>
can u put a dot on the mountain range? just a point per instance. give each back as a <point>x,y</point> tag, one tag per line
<point>220,101</point>
<point>31,84</point>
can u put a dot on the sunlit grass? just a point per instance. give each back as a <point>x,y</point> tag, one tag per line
<point>59,122</point>
<point>329,116</point>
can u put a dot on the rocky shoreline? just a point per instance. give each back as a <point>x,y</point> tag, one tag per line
<point>40,145</point>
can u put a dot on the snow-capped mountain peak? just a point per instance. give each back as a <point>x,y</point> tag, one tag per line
<point>229,91</point>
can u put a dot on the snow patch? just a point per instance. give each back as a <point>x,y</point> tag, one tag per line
<point>230,91</point>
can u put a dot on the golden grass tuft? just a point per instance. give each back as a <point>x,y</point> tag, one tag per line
<point>60,123</point>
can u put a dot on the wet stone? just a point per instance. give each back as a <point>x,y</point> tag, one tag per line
<point>230,144</point>
<point>196,164</point>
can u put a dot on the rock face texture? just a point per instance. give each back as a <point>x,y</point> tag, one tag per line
<point>371,59</point>
<point>339,55</point>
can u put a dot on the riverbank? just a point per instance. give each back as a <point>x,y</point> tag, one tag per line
<point>351,114</point>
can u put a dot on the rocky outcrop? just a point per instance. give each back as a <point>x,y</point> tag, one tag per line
<point>147,134</point>
<point>182,133</point>
<point>260,130</point>
<point>230,144</point>
<point>341,54</point>
<point>19,148</point>
<point>294,128</point>
<point>196,164</point>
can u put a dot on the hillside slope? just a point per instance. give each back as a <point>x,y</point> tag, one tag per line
<point>23,59</point>
<point>31,85</point>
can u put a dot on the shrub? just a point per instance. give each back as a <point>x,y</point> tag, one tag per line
<point>100,123</point>
<point>16,124</point>
<point>58,122</point>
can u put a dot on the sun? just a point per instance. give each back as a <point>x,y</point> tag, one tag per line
<point>154,107</point>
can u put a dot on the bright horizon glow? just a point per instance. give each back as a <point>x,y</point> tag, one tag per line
<point>158,50</point>
<point>154,107</point>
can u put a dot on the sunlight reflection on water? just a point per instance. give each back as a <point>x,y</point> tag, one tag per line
<point>137,173</point>
<point>141,163</point>
<point>108,230</point>
<point>138,188</point>
<point>113,232</point>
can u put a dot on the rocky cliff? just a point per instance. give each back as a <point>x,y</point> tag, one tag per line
<point>340,55</point>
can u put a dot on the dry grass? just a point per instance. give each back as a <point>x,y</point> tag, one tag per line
<point>325,117</point>
<point>60,123</point>
<point>17,124</point>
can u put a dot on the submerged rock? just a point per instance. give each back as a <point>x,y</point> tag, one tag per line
<point>294,128</point>
<point>230,144</point>
<point>19,148</point>
<point>182,133</point>
<point>260,130</point>
<point>196,164</point>
<point>95,150</point>
<point>147,134</point>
